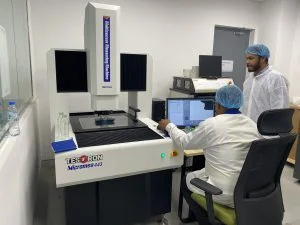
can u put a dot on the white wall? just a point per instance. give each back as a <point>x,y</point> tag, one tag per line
<point>280,31</point>
<point>280,17</point>
<point>295,59</point>
<point>286,35</point>
<point>174,32</point>
<point>18,172</point>
<point>270,13</point>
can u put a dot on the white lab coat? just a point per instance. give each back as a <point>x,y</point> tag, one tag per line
<point>226,140</point>
<point>267,90</point>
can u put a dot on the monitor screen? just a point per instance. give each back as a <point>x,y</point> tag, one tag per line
<point>185,112</point>
<point>210,66</point>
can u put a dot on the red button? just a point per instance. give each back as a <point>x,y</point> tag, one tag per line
<point>174,153</point>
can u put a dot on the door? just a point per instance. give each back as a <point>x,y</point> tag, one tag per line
<point>231,43</point>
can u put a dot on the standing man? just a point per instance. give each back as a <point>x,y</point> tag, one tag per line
<point>225,139</point>
<point>265,88</point>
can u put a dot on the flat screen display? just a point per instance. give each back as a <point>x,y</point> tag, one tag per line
<point>185,112</point>
<point>210,66</point>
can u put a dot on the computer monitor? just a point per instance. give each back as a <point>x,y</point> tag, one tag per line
<point>184,112</point>
<point>210,66</point>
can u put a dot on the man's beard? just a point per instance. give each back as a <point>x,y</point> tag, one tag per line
<point>254,68</point>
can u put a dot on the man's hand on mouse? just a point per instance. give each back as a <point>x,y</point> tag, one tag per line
<point>163,123</point>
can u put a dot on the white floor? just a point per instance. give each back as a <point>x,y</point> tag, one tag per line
<point>50,205</point>
<point>291,196</point>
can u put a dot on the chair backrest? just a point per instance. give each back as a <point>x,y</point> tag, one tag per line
<point>276,121</point>
<point>257,195</point>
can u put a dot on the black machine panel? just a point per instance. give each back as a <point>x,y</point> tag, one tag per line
<point>119,127</point>
<point>105,203</point>
<point>89,122</point>
<point>115,136</point>
<point>71,71</point>
<point>133,72</point>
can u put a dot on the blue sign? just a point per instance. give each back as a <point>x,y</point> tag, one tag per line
<point>106,49</point>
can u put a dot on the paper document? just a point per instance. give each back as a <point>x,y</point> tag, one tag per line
<point>227,65</point>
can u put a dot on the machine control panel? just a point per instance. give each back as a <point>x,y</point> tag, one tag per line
<point>171,154</point>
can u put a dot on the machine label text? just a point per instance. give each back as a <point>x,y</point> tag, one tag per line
<point>106,48</point>
<point>84,166</point>
<point>84,162</point>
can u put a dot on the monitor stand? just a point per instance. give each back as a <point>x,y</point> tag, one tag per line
<point>211,77</point>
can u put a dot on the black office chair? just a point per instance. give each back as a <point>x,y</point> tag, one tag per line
<point>257,194</point>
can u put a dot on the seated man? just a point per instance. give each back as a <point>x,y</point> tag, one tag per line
<point>225,139</point>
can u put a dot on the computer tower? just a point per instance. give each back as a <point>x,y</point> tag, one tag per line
<point>158,109</point>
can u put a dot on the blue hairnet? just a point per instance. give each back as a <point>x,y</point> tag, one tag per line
<point>229,96</point>
<point>259,49</point>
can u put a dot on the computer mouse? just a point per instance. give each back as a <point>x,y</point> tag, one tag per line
<point>166,133</point>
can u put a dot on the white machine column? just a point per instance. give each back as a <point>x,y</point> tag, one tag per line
<point>103,56</point>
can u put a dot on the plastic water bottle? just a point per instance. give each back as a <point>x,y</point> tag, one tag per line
<point>59,125</point>
<point>2,122</point>
<point>1,116</point>
<point>65,127</point>
<point>13,119</point>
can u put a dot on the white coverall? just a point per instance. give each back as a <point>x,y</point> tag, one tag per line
<point>268,90</point>
<point>226,140</point>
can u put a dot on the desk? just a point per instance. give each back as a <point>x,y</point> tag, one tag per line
<point>193,160</point>
<point>294,156</point>
<point>296,129</point>
<point>191,153</point>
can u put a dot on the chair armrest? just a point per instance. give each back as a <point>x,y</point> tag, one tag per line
<point>206,187</point>
<point>209,191</point>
